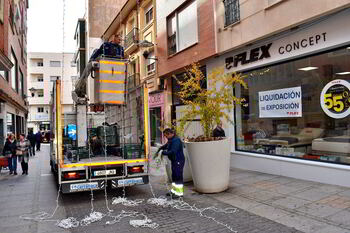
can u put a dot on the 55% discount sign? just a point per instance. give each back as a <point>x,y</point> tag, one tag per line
<point>335,99</point>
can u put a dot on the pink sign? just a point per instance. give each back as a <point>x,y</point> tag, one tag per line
<point>155,100</point>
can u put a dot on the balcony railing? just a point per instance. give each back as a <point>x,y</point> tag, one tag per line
<point>172,44</point>
<point>131,38</point>
<point>133,80</point>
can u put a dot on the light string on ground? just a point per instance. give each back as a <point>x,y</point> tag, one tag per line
<point>105,152</point>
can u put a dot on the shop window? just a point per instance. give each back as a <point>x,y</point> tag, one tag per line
<point>10,123</point>
<point>299,109</point>
<point>182,28</point>
<point>232,12</point>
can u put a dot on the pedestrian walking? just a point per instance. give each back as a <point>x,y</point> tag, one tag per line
<point>174,150</point>
<point>10,152</point>
<point>219,131</point>
<point>38,138</point>
<point>22,153</point>
<point>32,140</point>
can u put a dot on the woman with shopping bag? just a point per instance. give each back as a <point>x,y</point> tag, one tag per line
<point>9,151</point>
<point>22,153</point>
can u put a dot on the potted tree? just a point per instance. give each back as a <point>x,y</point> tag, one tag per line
<point>209,157</point>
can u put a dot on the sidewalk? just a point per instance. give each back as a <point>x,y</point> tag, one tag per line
<point>304,205</point>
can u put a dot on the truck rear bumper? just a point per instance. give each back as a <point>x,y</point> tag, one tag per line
<point>82,186</point>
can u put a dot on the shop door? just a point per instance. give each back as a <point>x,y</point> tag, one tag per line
<point>155,119</point>
<point>2,140</point>
<point>18,126</point>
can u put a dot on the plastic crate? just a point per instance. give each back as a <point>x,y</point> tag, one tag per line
<point>132,151</point>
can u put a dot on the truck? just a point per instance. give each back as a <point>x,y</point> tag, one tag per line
<point>89,151</point>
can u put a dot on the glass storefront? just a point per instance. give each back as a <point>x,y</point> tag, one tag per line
<point>298,109</point>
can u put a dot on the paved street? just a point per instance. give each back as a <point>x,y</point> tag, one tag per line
<point>265,203</point>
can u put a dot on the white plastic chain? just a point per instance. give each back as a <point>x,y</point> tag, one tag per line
<point>182,205</point>
<point>68,223</point>
<point>93,217</point>
<point>124,201</point>
<point>146,222</point>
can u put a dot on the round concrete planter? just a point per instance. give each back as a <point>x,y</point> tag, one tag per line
<point>187,174</point>
<point>210,165</point>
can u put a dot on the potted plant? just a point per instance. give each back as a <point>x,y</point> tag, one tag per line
<point>209,157</point>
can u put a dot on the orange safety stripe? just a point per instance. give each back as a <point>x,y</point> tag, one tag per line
<point>103,163</point>
<point>112,81</point>
<point>112,92</point>
<point>114,102</point>
<point>112,62</point>
<point>111,72</point>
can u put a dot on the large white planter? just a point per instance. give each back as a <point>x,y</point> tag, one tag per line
<point>187,174</point>
<point>210,165</point>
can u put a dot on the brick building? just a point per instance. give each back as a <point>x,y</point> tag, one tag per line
<point>13,67</point>
<point>185,34</point>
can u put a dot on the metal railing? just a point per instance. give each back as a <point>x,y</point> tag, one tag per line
<point>131,38</point>
<point>232,12</point>
<point>133,80</point>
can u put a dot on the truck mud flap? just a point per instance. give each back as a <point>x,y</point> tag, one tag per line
<point>118,183</point>
<point>83,186</point>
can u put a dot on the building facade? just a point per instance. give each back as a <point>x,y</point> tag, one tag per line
<point>135,26</point>
<point>294,56</point>
<point>43,68</point>
<point>185,34</point>
<point>13,68</point>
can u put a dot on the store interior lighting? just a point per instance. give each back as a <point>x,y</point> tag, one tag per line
<point>308,68</point>
<point>343,73</point>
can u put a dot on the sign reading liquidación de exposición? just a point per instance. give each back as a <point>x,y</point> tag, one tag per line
<point>284,102</point>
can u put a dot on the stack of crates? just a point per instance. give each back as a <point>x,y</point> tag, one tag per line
<point>111,136</point>
<point>83,152</point>
<point>132,151</point>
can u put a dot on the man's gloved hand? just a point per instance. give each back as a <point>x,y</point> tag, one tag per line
<point>156,154</point>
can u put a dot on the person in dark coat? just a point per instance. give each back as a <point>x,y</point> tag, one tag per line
<point>10,152</point>
<point>32,139</point>
<point>174,150</point>
<point>219,131</point>
<point>38,138</point>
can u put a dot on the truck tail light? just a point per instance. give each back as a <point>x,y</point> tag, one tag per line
<point>71,175</point>
<point>135,169</point>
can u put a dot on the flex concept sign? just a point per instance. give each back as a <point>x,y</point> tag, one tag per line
<point>333,32</point>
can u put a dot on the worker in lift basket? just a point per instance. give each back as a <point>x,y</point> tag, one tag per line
<point>174,150</point>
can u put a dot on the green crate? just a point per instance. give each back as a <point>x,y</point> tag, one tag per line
<point>132,151</point>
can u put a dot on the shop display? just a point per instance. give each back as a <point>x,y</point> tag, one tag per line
<point>298,109</point>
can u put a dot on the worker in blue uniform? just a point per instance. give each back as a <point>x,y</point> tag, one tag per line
<point>174,150</point>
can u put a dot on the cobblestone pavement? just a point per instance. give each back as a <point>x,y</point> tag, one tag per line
<point>37,192</point>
